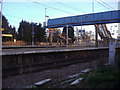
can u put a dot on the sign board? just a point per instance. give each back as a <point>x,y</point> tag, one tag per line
<point>81,30</point>
<point>1,29</point>
<point>112,53</point>
<point>44,24</point>
<point>52,29</point>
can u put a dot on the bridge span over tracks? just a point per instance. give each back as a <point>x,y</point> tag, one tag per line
<point>86,19</point>
<point>97,19</point>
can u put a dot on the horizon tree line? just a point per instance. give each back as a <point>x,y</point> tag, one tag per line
<point>28,29</point>
<point>24,32</point>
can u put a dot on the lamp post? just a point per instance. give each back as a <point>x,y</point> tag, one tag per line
<point>81,29</point>
<point>92,6</point>
<point>45,24</point>
<point>45,17</point>
<point>32,34</point>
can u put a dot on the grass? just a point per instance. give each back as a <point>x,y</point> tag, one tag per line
<point>105,77</point>
<point>106,74</point>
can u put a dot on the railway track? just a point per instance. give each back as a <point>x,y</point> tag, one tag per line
<point>7,72</point>
<point>65,82</point>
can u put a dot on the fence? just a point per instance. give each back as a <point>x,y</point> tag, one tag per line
<point>88,43</point>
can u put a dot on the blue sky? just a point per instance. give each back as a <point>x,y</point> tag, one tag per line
<point>18,10</point>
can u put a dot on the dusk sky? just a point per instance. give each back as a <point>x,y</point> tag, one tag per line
<point>34,10</point>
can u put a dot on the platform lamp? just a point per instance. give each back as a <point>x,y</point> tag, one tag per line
<point>45,24</point>
<point>33,43</point>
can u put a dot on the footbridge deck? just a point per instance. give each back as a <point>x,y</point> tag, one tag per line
<point>87,19</point>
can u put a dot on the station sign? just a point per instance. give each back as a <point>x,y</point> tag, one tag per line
<point>1,29</point>
<point>52,29</point>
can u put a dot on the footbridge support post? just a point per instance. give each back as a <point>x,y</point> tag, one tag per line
<point>96,37</point>
<point>66,36</point>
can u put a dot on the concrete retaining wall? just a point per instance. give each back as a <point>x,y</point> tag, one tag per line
<point>39,59</point>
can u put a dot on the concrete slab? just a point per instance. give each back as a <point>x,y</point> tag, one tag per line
<point>42,82</point>
<point>76,81</point>
<point>75,75</point>
<point>86,70</point>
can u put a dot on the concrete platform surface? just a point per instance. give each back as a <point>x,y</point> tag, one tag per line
<point>44,50</point>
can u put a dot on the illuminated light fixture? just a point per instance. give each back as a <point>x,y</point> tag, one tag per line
<point>7,35</point>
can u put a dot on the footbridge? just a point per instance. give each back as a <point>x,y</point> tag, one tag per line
<point>86,19</point>
<point>96,19</point>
